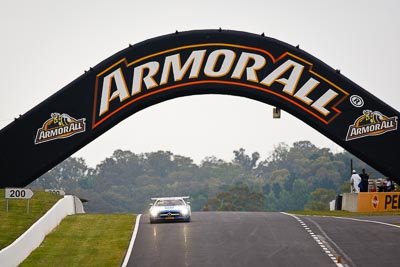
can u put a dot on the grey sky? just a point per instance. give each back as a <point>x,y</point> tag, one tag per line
<point>47,44</point>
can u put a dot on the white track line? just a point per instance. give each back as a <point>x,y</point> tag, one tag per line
<point>368,221</point>
<point>316,239</point>
<point>133,238</point>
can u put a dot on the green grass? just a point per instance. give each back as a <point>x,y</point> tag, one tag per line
<point>79,240</point>
<point>342,213</point>
<point>16,221</point>
<point>86,240</point>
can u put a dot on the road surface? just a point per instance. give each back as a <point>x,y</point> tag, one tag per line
<point>227,239</point>
<point>361,241</point>
<point>268,239</point>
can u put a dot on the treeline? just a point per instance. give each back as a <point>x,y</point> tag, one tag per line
<point>295,177</point>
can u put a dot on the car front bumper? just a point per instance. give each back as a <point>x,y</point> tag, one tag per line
<point>169,218</point>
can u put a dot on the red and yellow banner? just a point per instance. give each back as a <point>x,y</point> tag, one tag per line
<point>378,201</point>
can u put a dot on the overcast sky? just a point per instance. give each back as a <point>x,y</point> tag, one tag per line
<point>45,45</point>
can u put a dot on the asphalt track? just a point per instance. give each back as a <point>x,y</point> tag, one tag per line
<point>266,239</point>
<point>361,241</point>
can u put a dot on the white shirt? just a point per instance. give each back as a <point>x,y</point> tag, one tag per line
<point>355,179</point>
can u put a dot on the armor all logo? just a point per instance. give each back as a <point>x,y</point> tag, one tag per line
<point>371,123</point>
<point>59,126</point>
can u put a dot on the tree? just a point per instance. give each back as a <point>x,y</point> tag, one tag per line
<point>160,163</point>
<point>280,153</point>
<point>299,195</point>
<point>237,198</point>
<point>125,181</point>
<point>276,188</point>
<point>66,174</point>
<point>247,162</point>
<point>266,189</point>
<point>320,199</point>
<point>279,176</point>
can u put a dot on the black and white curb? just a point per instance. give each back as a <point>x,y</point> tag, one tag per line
<point>327,250</point>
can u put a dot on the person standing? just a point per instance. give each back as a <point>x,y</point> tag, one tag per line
<point>355,180</point>
<point>364,181</point>
<point>389,185</point>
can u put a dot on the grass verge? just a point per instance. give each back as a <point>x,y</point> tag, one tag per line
<point>16,221</point>
<point>85,240</point>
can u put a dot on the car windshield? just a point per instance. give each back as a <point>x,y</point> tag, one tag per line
<point>169,202</point>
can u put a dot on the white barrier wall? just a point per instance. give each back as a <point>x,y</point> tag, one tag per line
<point>332,204</point>
<point>20,249</point>
<point>350,202</point>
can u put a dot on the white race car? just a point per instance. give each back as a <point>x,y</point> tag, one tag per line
<point>170,209</point>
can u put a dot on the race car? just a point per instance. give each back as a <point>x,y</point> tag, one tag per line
<point>165,209</point>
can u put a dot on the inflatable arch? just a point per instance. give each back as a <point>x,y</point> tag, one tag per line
<point>192,63</point>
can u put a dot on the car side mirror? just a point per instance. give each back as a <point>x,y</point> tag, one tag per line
<point>151,204</point>
<point>188,202</point>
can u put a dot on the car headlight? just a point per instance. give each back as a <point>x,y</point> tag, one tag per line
<point>153,212</point>
<point>185,211</point>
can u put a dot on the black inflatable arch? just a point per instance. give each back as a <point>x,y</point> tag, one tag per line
<point>192,63</point>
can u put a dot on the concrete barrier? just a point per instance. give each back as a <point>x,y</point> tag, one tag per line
<point>332,205</point>
<point>350,202</point>
<point>20,249</point>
